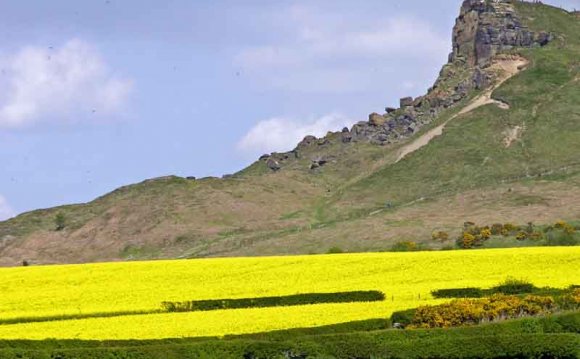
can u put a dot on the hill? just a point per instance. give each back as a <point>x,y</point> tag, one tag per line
<point>494,140</point>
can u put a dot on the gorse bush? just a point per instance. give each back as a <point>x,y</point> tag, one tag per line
<point>476,311</point>
<point>281,301</point>
<point>559,234</point>
<point>440,236</point>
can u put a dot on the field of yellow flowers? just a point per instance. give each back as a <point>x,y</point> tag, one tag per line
<point>405,278</point>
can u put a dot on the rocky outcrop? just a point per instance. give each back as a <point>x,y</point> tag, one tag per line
<point>486,28</point>
<point>483,29</point>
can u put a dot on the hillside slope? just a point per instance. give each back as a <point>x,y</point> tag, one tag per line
<point>496,139</point>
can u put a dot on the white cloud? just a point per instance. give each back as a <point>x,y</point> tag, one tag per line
<point>58,84</point>
<point>283,134</point>
<point>321,44</point>
<point>5,210</point>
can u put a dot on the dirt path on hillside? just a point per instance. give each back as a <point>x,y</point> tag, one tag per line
<point>506,69</point>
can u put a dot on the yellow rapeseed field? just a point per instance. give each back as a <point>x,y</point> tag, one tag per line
<point>406,278</point>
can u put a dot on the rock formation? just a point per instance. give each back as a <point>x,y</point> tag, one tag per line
<point>483,29</point>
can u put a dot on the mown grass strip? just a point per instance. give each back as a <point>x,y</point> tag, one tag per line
<point>278,301</point>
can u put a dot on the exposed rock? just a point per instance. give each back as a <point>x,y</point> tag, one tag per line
<point>406,101</point>
<point>307,141</point>
<point>323,141</point>
<point>377,120</point>
<point>480,79</point>
<point>346,137</point>
<point>318,162</point>
<point>485,28</point>
<point>273,164</point>
<point>264,157</point>
<point>482,30</point>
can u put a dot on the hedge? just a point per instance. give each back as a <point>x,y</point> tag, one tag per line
<point>469,292</point>
<point>346,346</point>
<point>544,337</point>
<point>279,301</point>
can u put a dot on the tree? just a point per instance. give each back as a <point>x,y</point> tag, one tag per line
<point>60,221</point>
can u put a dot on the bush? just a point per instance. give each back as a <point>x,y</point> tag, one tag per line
<point>514,286</point>
<point>485,233</point>
<point>496,229</point>
<point>281,301</point>
<point>511,228</point>
<point>466,241</point>
<point>404,317</point>
<point>440,235</point>
<point>404,246</point>
<point>458,293</point>
<point>59,222</point>
<point>476,311</point>
<point>521,236</point>
<point>560,238</point>
<point>335,250</point>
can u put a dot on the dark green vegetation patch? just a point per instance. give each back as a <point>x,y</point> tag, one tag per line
<point>280,301</point>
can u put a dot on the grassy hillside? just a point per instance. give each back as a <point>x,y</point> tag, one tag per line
<point>360,200</point>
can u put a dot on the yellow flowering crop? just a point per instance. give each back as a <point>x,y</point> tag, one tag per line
<point>406,278</point>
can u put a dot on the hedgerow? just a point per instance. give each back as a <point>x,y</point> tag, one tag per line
<point>279,301</point>
<point>548,337</point>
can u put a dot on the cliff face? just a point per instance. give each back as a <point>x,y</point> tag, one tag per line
<point>485,28</point>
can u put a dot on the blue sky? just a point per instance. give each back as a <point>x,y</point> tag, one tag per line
<point>99,94</point>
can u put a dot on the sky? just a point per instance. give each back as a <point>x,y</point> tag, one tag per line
<point>98,94</point>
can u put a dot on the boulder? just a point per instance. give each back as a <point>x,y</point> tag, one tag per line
<point>273,164</point>
<point>377,120</point>
<point>406,101</point>
<point>346,137</point>
<point>264,157</point>
<point>390,109</point>
<point>307,141</point>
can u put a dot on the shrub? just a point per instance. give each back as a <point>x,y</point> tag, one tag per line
<point>559,238</point>
<point>496,229</point>
<point>467,240</point>
<point>469,292</point>
<point>281,301</point>
<point>570,301</point>
<point>440,235</point>
<point>521,236</point>
<point>404,246</point>
<point>514,286</point>
<point>59,222</point>
<point>560,224</point>
<point>404,317</point>
<point>510,227</point>
<point>485,233</point>
<point>476,311</point>
<point>335,250</point>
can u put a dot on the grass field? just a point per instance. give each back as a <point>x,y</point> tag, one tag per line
<point>405,278</point>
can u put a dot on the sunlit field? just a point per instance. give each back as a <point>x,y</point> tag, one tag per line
<point>405,278</point>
